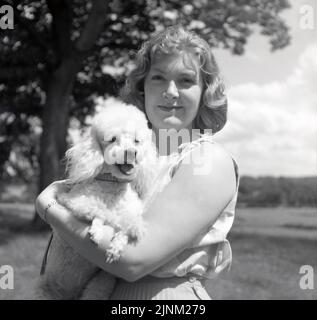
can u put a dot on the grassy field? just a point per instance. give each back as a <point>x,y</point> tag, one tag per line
<point>269,246</point>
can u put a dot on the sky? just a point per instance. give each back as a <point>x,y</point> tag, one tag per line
<point>272,116</point>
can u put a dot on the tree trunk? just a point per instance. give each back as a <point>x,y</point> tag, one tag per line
<point>56,110</point>
<point>55,123</point>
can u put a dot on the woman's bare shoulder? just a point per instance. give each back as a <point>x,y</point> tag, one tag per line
<point>207,163</point>
<point>201,188</point>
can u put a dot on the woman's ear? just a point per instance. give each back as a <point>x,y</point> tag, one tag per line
<point>84,160</point>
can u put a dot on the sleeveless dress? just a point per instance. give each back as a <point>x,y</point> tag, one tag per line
<point>184,276</point>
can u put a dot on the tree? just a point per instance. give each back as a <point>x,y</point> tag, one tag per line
<point>282,191</point>
<point>52,62</point>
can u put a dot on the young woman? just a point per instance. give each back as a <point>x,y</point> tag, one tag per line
<point>176,83</point>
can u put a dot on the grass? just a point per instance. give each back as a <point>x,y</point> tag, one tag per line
<point>20,247</point>
<point>269,246</point>
<point>266,267</point>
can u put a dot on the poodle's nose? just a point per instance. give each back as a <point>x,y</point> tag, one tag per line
<point>130,155</point>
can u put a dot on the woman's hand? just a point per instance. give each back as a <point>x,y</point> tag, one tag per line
<point>58,216</point>
<point>47,198</point>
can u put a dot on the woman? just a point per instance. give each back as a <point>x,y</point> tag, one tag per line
<point>176,83</point>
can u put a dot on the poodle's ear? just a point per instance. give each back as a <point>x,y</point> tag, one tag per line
<point>84,160</point>
<point>147,172</point>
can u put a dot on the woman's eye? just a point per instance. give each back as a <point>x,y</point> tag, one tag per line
<point>137,141</point>
<point>157,77</point>
<point>188,80</point>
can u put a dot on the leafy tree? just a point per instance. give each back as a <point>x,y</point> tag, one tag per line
<point>53,62</point>
<point>271,192</point>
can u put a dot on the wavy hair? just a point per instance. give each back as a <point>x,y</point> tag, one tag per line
<point>212,113</point>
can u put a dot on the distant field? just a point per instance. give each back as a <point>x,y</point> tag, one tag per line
<point>269,246</point>
<point>278,222</point>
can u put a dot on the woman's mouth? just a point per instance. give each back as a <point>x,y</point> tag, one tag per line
<point>169,108</point>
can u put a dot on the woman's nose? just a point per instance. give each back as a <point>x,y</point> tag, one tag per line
<point>171,92</point>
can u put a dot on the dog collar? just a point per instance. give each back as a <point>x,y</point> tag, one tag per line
<point>107,177</point>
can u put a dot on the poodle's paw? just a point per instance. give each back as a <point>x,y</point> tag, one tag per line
<point>101,234</point>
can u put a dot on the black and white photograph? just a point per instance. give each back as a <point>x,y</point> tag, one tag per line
<point>158,150</point>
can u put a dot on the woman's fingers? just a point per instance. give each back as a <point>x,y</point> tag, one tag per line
<point>59,186</point>
<point>55,188</point>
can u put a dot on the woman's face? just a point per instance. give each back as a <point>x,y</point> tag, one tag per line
<point>173,89</point>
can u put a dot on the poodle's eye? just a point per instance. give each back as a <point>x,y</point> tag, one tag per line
<point>137,141</point>
<point>113,139</point>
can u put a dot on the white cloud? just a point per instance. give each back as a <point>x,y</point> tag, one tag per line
<point>272,128</point>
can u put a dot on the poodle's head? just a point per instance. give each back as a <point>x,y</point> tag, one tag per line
<point>118,148</point>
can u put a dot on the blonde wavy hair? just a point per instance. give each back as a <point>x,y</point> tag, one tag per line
<point>212,113</point>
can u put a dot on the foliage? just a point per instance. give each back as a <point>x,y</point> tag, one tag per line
<point>272,192</point>
<point>43,38</point>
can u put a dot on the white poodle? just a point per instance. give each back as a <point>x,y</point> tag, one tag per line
<point>109,174</point>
